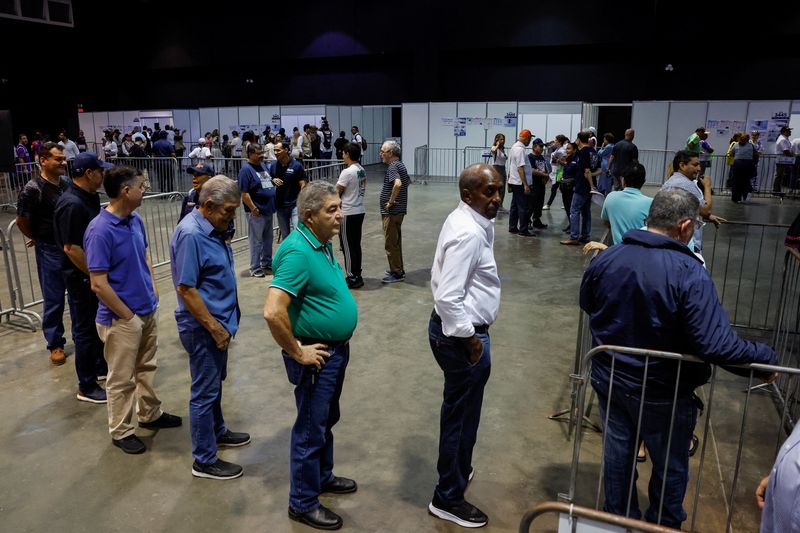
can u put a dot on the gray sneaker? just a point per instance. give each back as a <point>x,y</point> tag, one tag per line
<point>257,273</point>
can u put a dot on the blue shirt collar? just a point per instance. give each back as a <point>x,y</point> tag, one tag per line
<point>115,220</point>
<point>650,239</point>
<point>205,225</point>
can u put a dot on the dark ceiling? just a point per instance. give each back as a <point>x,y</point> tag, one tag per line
<point>144,54</point>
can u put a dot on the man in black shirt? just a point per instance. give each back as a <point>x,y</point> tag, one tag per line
<point>289,177</point>
<point>79,204</point>
<point>541,177</point>
<point>35,206</point>
<point>623,155</point>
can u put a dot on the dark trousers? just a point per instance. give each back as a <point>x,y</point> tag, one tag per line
<point>537,197</point>
<point>520,211</point>
<point>621,446</point>
<point>316,395</point>
<point>53,282</point>
<point>350,240</point>
<point>783,177</point>
<point>461,409</point>
<point>553,191</point>
<point>566,198</point>
<point>741,173</point>
<point>89,360</point>
<point>580,216</point>
<point>208,367</point>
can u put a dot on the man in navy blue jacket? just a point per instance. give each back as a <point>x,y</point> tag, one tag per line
<point>652,292</point>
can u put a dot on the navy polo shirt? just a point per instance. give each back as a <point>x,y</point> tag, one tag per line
<point>118,246</point>
<point>200,258</point>
<point>257,182</point>
<point>74,210</point>
<point>292,174</point>
<point>163,148</point>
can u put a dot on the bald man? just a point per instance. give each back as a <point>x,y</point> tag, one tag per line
<point>622,157</point>
<point>466,296</point>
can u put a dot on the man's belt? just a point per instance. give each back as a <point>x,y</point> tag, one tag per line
<point>484,328</point>
<point>330,344</point>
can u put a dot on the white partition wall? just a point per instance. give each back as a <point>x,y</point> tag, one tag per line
<point>414,120</point>
<point>500,109</point>
<point>649,121</point>
<point>722,111</point>
<point>86,125</point>
<point>684,118</point>
<point>194,132</point>
<point>181,120</point>
<point>228,120</point>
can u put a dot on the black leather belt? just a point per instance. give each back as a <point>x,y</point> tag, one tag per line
<point>330,344</point>
<point>478,329</point>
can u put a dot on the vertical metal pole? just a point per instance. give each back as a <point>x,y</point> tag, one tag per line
<point>739,454</point>
<point>669,443</point>
<point>706,427</point>
<point>632,484</point>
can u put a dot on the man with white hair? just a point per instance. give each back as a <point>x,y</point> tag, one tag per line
<point>394,205</point>
<point>312,315</point>
<point>208,313</point>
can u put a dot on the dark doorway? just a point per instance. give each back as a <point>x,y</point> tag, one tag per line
<point>397,121</point>
<point>613,119</point>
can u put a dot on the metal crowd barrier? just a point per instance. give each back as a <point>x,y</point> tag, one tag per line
<point>578,519</point>
<point>21,275</point>
<point>728,436</point>
<point>746,262</point>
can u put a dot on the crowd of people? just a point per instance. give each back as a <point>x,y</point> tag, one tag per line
<point>99,258</point>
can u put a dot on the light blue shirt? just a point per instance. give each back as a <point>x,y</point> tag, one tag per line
<point>625,210</point>
<point>200,258</point>
<point>782,502</point>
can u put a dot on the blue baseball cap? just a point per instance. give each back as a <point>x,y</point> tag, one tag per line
<point>87,161</point>
<point>201,168</point>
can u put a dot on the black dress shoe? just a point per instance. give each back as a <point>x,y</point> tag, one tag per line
<point>340,485</point>
<point>166,420</point>
<point>319,518</point>
<point>130,444</point>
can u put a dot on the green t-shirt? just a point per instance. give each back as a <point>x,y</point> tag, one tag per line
<point>322,306</point>
<point>693,143</point>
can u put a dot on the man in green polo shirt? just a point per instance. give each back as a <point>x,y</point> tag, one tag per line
<point>311,314</point>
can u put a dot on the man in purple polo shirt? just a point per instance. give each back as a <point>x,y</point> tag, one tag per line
<point>122,277</point>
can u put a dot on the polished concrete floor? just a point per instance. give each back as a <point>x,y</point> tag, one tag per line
<point>60,471</point>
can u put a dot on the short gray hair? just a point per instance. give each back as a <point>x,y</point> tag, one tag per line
<point>393,147</point>
<point>253,148</point>
<point>312,197</point>
<point>671,206</point>
<point>218,190</point>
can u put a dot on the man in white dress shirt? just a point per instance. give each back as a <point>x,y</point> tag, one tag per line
<point>466,295</point>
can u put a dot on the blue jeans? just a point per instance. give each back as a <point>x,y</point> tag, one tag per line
<point>259,238</point>
<point>53,281</point>
<point>461,409</point>
<point>208,367</point>
<point>621,447</point>
<point>581,208</point>
<point>89,360</point>
<point>317,397</point>
<point>287,219</point>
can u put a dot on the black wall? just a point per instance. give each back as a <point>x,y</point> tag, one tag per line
<point>144,54</point>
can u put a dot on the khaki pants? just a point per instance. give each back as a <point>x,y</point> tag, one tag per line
<point>130,351</point>
<point>393,242</point>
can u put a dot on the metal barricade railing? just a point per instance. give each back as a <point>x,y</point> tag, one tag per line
<point>8,307</point>
<point>746,262</point>
<point>658,164</point>
<point>323,169</point>
<point>22,275</point>
<point>728,436</point>
<point>578,519</point>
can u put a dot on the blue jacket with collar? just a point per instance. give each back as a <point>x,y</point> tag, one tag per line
<point>652,292</point>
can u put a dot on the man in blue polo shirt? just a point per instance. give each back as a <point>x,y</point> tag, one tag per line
<point>75,209</point>
<point>208,317</point>
<point>258,197</point>
<point>162,148</point>
<point>311,314</point>
<point>289,178</point>
<point>116,255</point>
<point>627,209</point>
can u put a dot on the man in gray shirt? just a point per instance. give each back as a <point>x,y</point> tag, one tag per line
<point>685,168</point>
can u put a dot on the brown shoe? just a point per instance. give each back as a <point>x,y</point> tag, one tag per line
<point>57,356</point>
<point>571,242</point>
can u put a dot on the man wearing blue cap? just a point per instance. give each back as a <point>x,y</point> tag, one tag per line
<point>79,204</point>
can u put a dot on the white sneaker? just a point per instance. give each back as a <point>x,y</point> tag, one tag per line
<point>546,208</point>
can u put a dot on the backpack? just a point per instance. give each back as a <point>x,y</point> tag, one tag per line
<point>363,143</point>
<point>595,163</point>
<point>327,135</point>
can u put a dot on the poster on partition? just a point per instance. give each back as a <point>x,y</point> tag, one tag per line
<point>779,120</point>
<point>275,123</point>
<point>510,120</point>
<point>761,126</point>
<point>725,127</point>
<point>460,127</point>
<point>448,122</point>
